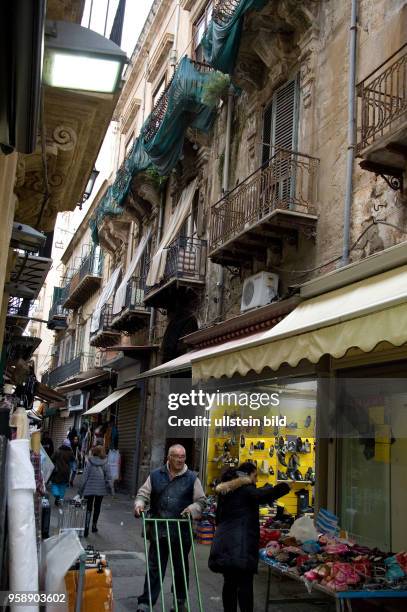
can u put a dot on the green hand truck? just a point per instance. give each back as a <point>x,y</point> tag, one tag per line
<point>174,531</point>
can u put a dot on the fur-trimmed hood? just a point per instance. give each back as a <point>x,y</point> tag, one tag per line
<point>232,485</point>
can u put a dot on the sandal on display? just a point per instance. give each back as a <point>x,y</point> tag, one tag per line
<point>251,449</point>
<point>271,450</point>
<point>306,446</point>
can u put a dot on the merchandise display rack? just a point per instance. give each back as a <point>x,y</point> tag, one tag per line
<point>225,450</point>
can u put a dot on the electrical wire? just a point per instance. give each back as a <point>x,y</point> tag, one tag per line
<point>334,259</point>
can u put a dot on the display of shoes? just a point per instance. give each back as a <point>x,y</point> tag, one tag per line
<point>292,425</point>
<point>310,475</point>
<point>298,475</point>
<point>291,446</point>
<point>281,457</point>
<point>307,421</point>
<point>293,461</point>
<point>271,471</point>
<point>271,450</point>
<point>251,449</point>
<point>242,441</point>
<point>290,474</point>
<point>281,476</point>
<point>299,445</point>
<point>306,446</point>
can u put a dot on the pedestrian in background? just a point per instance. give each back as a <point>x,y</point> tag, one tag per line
<point>96,483</point>
<point>235,547</point>
<point>62,459</point>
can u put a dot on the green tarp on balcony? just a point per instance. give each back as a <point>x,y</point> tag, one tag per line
<point>112,202</point>
<point>222,38</point>
<point>180,107</point>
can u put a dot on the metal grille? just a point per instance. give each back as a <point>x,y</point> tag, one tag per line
<point>135,293</point>
<point>81,363</point>
<point>383,99</point>
<point>186,259</point>
<point>263,192</point>
<point>223,10</point>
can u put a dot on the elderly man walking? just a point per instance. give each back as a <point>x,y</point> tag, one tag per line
<point>170,491</point>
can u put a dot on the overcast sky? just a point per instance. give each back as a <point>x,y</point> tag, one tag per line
<point>135,16</point>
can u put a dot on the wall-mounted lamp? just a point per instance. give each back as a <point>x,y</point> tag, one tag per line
<point>89,186</point>
<point>78,58</point>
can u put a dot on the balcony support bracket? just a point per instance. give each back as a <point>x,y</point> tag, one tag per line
<point>393,176</point>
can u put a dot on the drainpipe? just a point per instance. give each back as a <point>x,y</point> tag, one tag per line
<point>153,315</point>
<point>351,134</point>
<point>225,189</point>
<point>174,50</point>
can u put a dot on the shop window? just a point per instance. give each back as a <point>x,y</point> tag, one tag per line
<point>199,29</point>
<point>159,90</point>
<point>372,460</point>
<point>276,432</point>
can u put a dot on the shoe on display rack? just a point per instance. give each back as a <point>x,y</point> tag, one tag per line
<point>298,475</point>
<point>281,476</point>
<point>293,461</point>
<point>299,445</point>
<point>281,457</point>
<point>292,425</point>
<point>271,450</point>
<point>291,446</point>
<point>242,441</point>
<point>280,442</point>
<point>310,475</point>
<point>290,474</point>
<point>251,449</point>
<point>306,446</point>
<point>271,471</point>
<point>307,421</point>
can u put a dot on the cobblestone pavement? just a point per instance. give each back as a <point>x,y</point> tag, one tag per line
<point>119,536</point>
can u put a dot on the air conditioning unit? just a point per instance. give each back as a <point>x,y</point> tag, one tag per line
<point>75,401</point>
<point>258,290</point>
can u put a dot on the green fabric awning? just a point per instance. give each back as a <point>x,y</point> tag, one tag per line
<point>222,38</point>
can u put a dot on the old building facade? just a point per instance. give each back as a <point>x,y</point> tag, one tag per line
<point>273,151</point>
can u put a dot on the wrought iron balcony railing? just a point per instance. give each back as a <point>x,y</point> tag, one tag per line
<point>80,363</point>
<point>18,307</point>
<point>383,100</point>
<point>84,280</point>
<point>287,182</point>
<point>223,10</point>
<point>105,334</point>
<point>135,293</point>
<point>186,260</point>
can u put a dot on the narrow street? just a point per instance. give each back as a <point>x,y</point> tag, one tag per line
<point>119,537</point>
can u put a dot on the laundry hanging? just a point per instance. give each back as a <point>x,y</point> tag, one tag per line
<point>103,298</point>
<point>120,297</point>
<point>157,266</point>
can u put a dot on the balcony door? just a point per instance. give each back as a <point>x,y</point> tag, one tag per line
<point>280,137</point>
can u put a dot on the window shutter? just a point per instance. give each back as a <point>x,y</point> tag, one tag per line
<point>280,132</point>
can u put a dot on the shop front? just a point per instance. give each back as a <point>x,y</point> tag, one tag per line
<point>338,363</point>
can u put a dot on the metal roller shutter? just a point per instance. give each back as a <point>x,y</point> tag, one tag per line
<point>128,423</point>
<point>59,429</point>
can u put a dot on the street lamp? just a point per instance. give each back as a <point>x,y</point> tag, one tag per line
<point>90,185</point>
<point>78,58</point>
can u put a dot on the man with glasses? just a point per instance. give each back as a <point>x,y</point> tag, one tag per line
<point>170,491</point>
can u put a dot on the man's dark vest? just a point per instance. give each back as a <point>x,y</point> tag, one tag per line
<point>170,497</point>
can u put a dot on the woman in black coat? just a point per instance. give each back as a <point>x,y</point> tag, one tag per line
<point>235,547</point>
